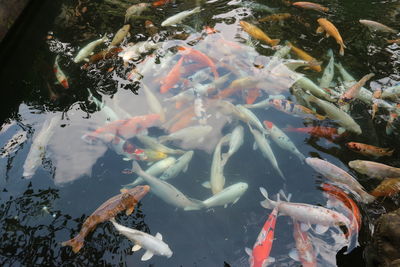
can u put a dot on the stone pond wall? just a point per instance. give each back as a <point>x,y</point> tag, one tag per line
<point>9,12</point>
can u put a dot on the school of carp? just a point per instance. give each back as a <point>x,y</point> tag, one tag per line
<point>198,84</point>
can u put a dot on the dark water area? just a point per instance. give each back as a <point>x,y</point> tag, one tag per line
<point>74,178</point>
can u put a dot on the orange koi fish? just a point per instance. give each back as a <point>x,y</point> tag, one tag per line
<point>127,201</point>
<point>252,95</point>
<point>369,150</point>
<point>331,30</point>
<point>329,133</point>
<point>172,77</point>
<point>61,78</point>
<point>105,54</point>
<point>305,56</point>
<point>387,188</point>
<point>396,41</point>
<point>237,85</point>
<point>160,3</point>
<point>257,33</point>
<point>183,122</point>
<point>126,128</point>
<point>196,55</point>
<point>259,256</point>
<point>210,30</point>
<point>309,5</point>
<point>340,195</point>
<point>304,251</point>
<point>275,17</point>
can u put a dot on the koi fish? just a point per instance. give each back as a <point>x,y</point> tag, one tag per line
<point>105,54</point>
<point>120,35</point>
<point>346,200</point>
<point>181,164</point>
<point>304,251</point>
<point>338,175</point>
<point>160,3</point>
<point>153,143</point>
<point>153,102</point>
<point>127,201</point>
<point>354,90</point>
<point>309,5</point>
<point>257,33</point>
<point>193,133</point>
<point>282,140</point>
<point>38,148</point>
<point>172,77</point>
<point>331,30</point>
<point>252,95</point>
<point>167,192</point>
<point>196,55</point>
<point>305,56</point>
<point>135,10</point>
<point>125,128</point>
<point>275,17</point>
<point>306,213</point>
<point>369,150</point>
<point>235,142</point>
<point>329,72</point>
<point>86,51</point>
<point>231,194</point>
<point>150,28</point>
<point>176,19</point>
<point>376,26</point>
<point>395,41</point>
<point>154,245</point>
<point>329,133</point>
<point>374,169</point>
<point>387,188</point>
<point>309,85</point>
<point>259,256</point>
<point>61,78</point>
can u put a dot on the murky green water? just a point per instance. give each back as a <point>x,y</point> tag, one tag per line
<point>76,177</point>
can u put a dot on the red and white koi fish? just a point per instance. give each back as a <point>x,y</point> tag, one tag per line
<point>172,77</point>
<point>259,256</point>
<point>304,251</point>
<point>307,214</point>
<point>126,128</point>
<point>61,78</point>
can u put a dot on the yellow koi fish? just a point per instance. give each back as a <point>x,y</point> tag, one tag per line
<point>257,33</point>
<point>331,30</point>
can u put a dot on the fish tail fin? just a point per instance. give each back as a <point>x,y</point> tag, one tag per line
<point>275,42</point>
<point>75,243</point>
<point>267,203</point>
<point>367,198</point>
<point>136,167</point>
<point>389,152</point>
<point>341,51</point>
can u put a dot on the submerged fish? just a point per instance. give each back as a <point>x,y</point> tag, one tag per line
<point>154,245</point>
<point>167,192</point>
<point>120,35</point>
<point>153,143</point>
<point>329,72</point>
<point>175,19</point>
<point>181,164</point>
<point>172,78</point>
<point>259,255</point>
<point>376,26</point>
<point>256,6</point>
<point>38,148</point>
<point>153,102</point>
<point>86,51</point>
<point>235,142</point>
<point>374,169</point>
<point>331,30</point>
<point>257,33</point>
<point>369,150</point>
<point>230,194</point>
<point>388,187</point>
<point>192,133</point>
<point>329,133</point>
<point>305,56</point>
<point>61,77</point>
<point>352,92</point>
<point>338,175</point>
<point>127,201</point>
<point>275,17</point>
<point>309,5</point>
<point>304,251</point>
<point>135,10</point>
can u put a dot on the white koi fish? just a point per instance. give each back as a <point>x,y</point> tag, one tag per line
<point>266,149</point>
<point>38,149</point>
<point>167,192</point>
<point>329,72</point>
<point>282,140</point>
<point>85,52</point>
<point>251,118</point>
<point>336,174</point>
<point>154,103</point>
<point>188,134</point>
<point>154,170</point>
<point>181,164</point>
<point>235,142</point>
<point>307,214</point>
<point>304,251</point>
<point>314,89</point>
<point>154,245</point>
<point>109,112</point>
<point>376,26</point>
<point>175,19</point>
<point>231,194</point>
<point>153,143</point>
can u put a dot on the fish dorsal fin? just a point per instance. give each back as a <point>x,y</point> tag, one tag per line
<point>236,200</point>
<point>206,184</point>
<point>158,236</point>
<point>294,254</point>
<point>147,255</point>
<point>254,145</point>
<point>248,251</point>
<point>136,247</point>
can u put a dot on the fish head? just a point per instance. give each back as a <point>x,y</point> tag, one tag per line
<point>353,146</point>
<point>167,252</point>
<point>128,147</point>
<point>138,192</point>
<point>355,164</point>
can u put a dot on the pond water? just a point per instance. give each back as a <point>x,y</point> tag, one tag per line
<point>79,169</point>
